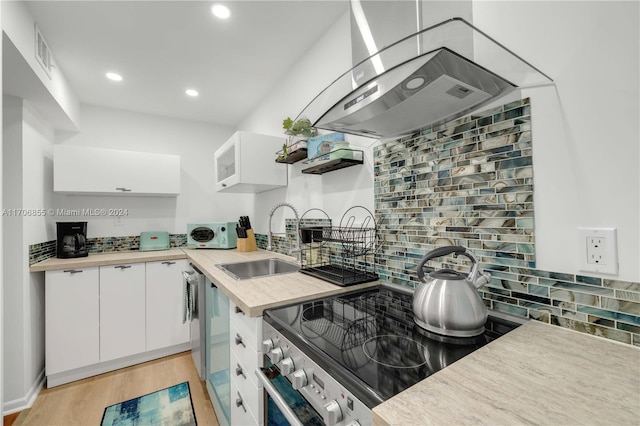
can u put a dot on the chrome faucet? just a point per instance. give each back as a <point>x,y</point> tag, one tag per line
<point>296,249</point>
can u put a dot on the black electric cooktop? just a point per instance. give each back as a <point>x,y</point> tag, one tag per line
<point>368,341</point>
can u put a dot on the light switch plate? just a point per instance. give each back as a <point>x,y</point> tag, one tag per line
<point>598,250</point>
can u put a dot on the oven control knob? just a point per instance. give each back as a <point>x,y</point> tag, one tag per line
<point>298,379</point>
<point>333,413</point>
<point>286,366</point>
<point>276,355</point>
<point>267,345</point>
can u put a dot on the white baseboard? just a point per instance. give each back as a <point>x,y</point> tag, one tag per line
<point>104,367</point>
<point>27,401</point>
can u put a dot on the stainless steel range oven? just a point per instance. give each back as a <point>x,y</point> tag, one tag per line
<point>330,361</point>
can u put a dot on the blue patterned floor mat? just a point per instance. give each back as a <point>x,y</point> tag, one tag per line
<point>167,407</point>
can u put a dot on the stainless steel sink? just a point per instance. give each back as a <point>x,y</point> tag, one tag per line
<point>258,268</point>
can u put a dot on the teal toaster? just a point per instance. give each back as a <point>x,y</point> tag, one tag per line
<point>150,241</point>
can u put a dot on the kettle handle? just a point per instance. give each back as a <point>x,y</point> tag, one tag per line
<point>443,251</point>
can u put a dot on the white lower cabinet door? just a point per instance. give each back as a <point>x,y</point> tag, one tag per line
<point>245,379</point>
<point>72,333</point>
<point>240,412</point>
<point>122,310</point>
<point>165,303</point>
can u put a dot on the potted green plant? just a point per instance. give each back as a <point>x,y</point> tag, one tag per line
<point>298,131</point>
<point>300,127</point>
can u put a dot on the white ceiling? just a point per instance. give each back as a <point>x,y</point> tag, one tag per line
<point>163,47</point>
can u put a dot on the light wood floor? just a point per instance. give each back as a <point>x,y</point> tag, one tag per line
<point>83,402</point>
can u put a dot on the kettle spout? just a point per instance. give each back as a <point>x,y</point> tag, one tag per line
<point>482,279</point>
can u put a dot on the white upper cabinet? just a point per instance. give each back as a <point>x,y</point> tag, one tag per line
<point>246,163</point>
<point>94,171</point>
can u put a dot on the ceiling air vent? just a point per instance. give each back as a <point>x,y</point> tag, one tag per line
<point>43,54</point>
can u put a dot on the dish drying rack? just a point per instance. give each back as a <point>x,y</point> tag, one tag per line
<point>343,255</point>
<point>343,323</point>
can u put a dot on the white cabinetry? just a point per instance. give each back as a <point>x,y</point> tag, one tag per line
<point>72,333</point>
<point>104,318</point>
<point>164,302</point>
<point>84,170</point>
<point>122,311</point>
<point>245,357</point>
<point>246,163</point>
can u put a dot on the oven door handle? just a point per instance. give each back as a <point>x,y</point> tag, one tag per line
<point>278,399</point>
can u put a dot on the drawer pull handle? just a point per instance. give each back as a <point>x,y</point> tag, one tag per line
<point>239,402</point>
<point>168,263</point>
<point>123,266</point>
<point>239,311</point>
<point>239,371</point>
<point>73,271</point>
<point>123,189</point>
<point>239,341</point>
<point>224,185</point>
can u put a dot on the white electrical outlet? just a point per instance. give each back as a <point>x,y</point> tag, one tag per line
<point>118,221</point>
<point>598,250</point>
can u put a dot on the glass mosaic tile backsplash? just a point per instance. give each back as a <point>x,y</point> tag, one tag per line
<point>42,251</point>
<point>469,182</point>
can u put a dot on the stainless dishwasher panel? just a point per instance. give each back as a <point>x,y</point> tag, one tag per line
<point>217,352</point>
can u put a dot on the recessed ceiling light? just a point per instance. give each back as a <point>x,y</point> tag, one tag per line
<point>191,92</point>
<point>113,76</point>
<point>220,11</point>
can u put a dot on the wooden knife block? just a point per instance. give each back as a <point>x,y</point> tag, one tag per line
<point>249,243</point>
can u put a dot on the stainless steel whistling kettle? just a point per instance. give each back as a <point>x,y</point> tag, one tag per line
<point>447,302</point>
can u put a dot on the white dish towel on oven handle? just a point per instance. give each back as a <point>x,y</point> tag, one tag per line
<point>188,296</point>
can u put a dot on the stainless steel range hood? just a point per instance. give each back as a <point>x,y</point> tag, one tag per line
<point>430,77</point>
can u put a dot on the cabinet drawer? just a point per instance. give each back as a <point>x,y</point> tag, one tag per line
<point>246,383</point>
<point>247,355</point>
<point>250,328</point>
<point>240,412</point>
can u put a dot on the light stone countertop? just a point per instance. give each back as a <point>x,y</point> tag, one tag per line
<point>538,374</point>
<point>255,295</point>
<point>112,258</point>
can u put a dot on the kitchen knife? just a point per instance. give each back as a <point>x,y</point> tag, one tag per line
<point>247,222</point>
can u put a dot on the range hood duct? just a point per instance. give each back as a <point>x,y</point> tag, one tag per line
<point>420,89</point>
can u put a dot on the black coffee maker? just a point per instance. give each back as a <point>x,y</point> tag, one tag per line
<point>72,239</point>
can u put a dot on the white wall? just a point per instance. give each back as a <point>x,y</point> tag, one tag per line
<point>333,192</point>
<point>586,128</point>
<point>194,142</point>
<point>1,237</point>
<point>27,155</point>
<point>12,231</point>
